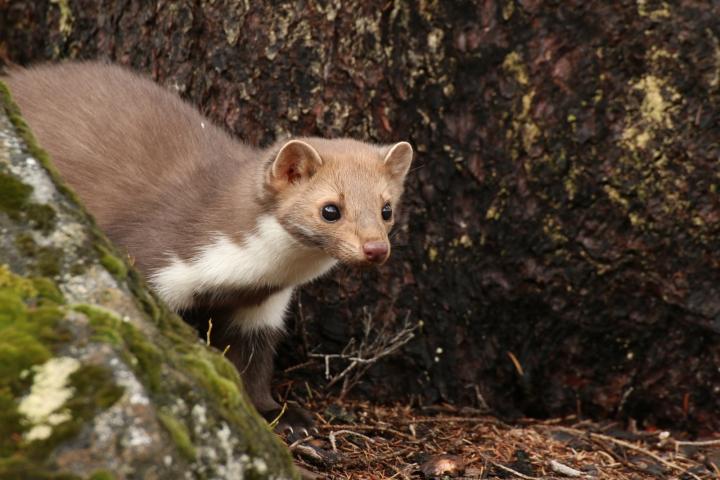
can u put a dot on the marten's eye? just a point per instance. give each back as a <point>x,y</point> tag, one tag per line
<point>331,212</point>
<point>387,212</point>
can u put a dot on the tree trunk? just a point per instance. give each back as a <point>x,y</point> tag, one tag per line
<point>559,245</point>
<point>97,380</point>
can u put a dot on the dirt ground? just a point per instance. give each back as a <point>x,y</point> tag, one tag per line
<point>360,440</point>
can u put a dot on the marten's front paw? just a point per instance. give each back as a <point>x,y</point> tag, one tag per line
<point>295,422</point>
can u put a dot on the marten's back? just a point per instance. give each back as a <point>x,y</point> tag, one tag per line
<point>119,140</point>
<point>142,161</point>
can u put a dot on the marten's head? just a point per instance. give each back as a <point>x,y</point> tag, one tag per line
<point>339,195</point>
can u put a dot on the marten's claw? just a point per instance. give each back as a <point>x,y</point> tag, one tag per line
<point>294,423</point>
<point>294,436</point>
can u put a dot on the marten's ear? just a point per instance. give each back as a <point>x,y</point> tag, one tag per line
<point>296,161</point>
<point>398,159</point>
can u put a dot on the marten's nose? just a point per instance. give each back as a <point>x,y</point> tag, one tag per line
<point>376,252</point>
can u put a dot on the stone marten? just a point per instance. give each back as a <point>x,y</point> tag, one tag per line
<point>219,229</point>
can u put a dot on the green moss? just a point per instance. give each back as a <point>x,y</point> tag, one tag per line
<point>94,388</point>
<point>41,288</point>
<point>23,287</point>
<point>25,244</point>
<point>42,216</point>
<point>104,325</point>
<point>16,468</point>
<point>15,202</point>
<point>47,291</point>
<point>11,425</point>
<point>26,336</point>
<point>179,434</point>
<point>112,263</point>
<point>148,358</point>
<point>77,268</point>
<point>147,302</point>
<point>14,195</point>
<point>144,357</point>
<point>203,368</point>
<point>47,261</point>
<point>102,475</point>
<point>42,291</point>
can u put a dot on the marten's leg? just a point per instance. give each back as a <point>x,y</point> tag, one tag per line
<point>252,333</point>
<point>252,354</point>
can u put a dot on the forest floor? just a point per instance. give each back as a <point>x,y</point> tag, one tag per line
<point>361,440</point>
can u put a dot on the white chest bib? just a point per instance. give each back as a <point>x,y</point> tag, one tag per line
<point>270,256</point>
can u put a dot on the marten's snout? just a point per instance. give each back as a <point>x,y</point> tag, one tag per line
<point>376,252</point>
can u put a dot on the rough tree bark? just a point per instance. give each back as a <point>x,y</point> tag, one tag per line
<point>560,241</point>
<point>97,380</point>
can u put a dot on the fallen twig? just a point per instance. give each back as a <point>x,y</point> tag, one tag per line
<point>444,419</point>
<point>307,451</point>
<point>350,432</point>
<point>563,469</point>
<point>699,443</point>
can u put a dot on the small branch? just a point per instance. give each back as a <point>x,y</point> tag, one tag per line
<point>350,432</point>
<point>444,420</point>
<point>209,331</point>
<point>699,443</point>
<point>330,356</point>
<point>361,355</point>
<point>307,452</point>
<point>563,469</point>
<point>298,442</point>
<point>377,428</point>
<point>276,420</point>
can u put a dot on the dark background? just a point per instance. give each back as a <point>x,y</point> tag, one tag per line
<point>563,205</point>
